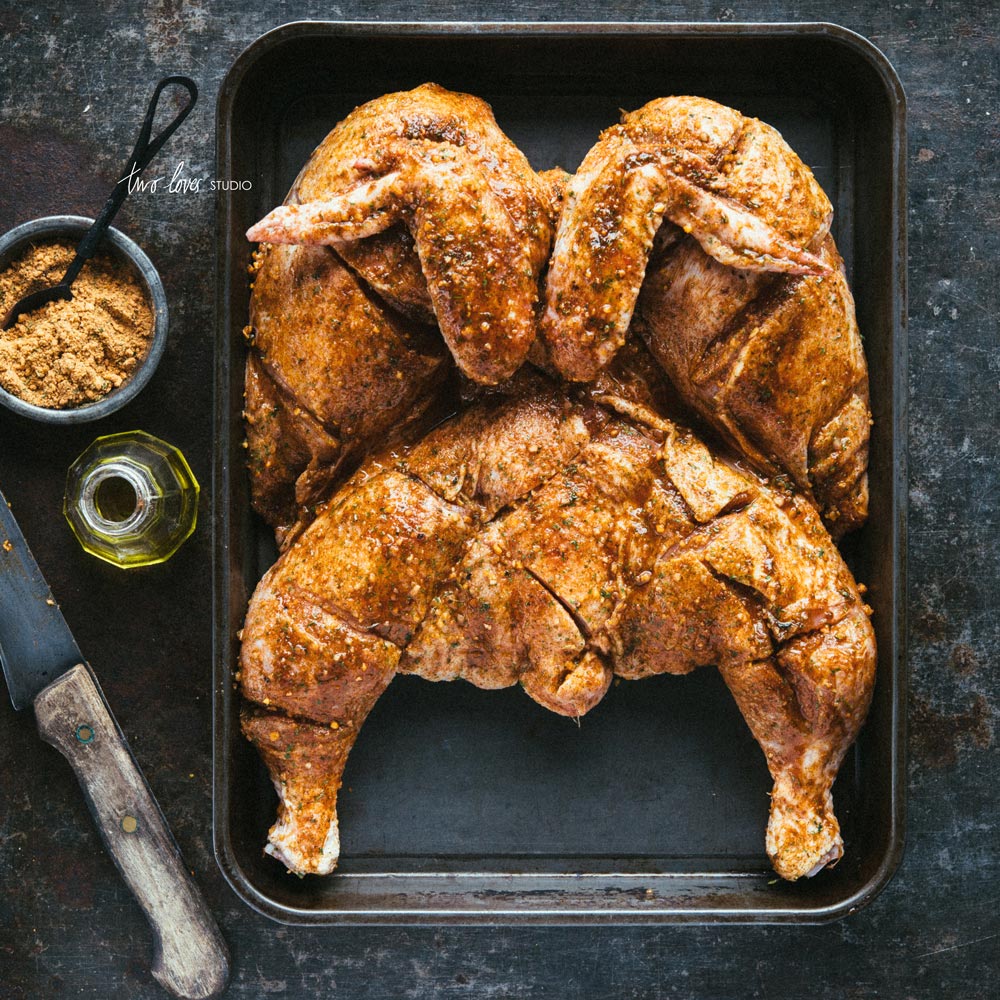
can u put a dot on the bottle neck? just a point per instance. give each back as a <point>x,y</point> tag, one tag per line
<point>122,517</point>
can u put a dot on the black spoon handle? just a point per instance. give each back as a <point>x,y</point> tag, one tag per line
<point>145,150</point>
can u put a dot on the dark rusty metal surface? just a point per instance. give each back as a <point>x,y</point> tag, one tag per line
<point>68,927</point>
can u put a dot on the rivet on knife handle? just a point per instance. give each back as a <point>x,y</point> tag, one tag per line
<point>190,957</point>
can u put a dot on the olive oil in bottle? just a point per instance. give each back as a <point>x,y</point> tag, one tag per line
<point>131,499</point>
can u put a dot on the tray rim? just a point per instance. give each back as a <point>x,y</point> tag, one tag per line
<point>896,658</point>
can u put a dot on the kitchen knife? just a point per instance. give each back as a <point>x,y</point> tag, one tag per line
<point>45,668</point>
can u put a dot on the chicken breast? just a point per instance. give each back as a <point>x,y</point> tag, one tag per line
<point>775,363</point>
<point>331,371</point>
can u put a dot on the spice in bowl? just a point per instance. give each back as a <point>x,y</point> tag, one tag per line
<point>72,352</point>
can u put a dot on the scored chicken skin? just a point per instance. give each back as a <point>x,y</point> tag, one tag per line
<point>331,372</point>
<point>773,362</point>
<point>768,353</point>
<point>553,540</point>
<point>435,163</point>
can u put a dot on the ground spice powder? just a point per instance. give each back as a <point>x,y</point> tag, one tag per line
<point>72,352</point>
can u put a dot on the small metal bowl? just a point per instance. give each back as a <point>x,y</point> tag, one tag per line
<point>73,227</point>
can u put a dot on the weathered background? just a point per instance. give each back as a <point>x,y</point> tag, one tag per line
<point>73,77</point>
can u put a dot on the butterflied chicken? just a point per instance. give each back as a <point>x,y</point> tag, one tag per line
<point>426,177</point>
<point>712,224</point>
<point>554,539</point>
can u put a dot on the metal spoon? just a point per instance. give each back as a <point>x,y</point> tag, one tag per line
<point>141,156</point>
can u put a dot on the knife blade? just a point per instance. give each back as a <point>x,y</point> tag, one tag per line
<point>44,668</point>
<point>36,645</point>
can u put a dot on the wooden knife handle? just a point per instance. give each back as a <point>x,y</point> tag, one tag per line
<point>190,958</point>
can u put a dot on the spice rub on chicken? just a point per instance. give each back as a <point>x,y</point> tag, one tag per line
<point>553,534</point>
<point>424,196</point>
<point>710,223</point>
<point>553,540</point>
<point>332,371</point>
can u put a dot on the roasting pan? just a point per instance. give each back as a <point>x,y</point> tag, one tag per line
<point>469,806</point>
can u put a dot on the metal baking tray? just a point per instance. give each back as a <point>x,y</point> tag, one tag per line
<point>469,806</point>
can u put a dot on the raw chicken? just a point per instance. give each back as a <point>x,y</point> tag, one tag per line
<point>549,536</point>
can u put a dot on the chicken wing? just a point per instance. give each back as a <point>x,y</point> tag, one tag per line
<point>436,163</point>
<point>680,159</point>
